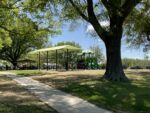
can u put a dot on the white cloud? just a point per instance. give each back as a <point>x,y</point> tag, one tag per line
<point>90,28</point>
<point>104,23</point>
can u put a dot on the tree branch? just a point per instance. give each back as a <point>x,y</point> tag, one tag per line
<point>94,21</point>
<point>128,6</point>
<point>79,11</point>
<point>106,4</point>
<point>10,6</point>
<point>6,29</point>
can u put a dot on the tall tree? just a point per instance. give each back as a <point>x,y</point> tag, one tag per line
<point>117,11</point>
<point>98,53</point>
<point>94,11</point>
<point>26,35</point>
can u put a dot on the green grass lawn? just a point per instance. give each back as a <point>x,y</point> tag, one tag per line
<point>133,97</point>
<point>27,72</point>
<point>120,97</point>
<point>15,99</point>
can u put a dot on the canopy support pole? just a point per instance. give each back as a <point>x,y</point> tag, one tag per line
<point>56,60</point>
<point>90,58</point>
<point>47,61</point>
<point>67,61</point>
<point>39,61</point>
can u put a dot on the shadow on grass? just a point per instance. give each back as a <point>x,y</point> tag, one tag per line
<point>35,74</point>
<point>113,96</point>
<point>58,80</point>
<point>15,99</point>
<point>127,97</point>
<point>120,97</point>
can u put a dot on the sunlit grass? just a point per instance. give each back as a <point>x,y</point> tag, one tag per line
<point>26,72</point>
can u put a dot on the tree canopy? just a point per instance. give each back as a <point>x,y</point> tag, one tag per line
<point>25,36</point>
<point>98,53</point>
<point>20,32</point>
<point>6,15</point>
<point>68,43</point>
<point>137,27</point>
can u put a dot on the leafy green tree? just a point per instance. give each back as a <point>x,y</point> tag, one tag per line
<point>68,43</point>
<point>98,53</point>
<point>26,35</point>
<point>137,29</point>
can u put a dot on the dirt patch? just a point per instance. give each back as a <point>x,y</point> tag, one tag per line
<point>61,79</point>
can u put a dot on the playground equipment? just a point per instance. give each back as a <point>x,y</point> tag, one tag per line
<point>87,60</point>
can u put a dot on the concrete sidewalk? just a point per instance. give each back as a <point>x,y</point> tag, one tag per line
<point>60,101</point>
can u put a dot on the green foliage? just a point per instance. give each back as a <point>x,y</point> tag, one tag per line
<point>21,32</point>
<point>16,14</point>
<point>6,16</point>
<point>135,62</point>
<point>98,53</point>
<point>68,43</point>
<point>26,35</point>
<point>4,38</point>
<point>62,55</point>
<point>137,26</point>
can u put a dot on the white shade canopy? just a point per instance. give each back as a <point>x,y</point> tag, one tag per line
<point>87,51</point>
<point>64,47</point>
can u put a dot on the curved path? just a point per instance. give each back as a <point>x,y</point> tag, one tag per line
<point>60,101</point>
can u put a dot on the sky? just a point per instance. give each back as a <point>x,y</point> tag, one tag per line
<point>80,35</point>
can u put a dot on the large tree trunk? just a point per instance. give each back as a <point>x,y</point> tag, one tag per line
<point>14,65</point>
<point>114,69</point>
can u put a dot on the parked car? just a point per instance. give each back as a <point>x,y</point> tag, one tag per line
<point>124,66</point>
<point>136,67</point>
<point>2,66</point>
<point>147,67</point>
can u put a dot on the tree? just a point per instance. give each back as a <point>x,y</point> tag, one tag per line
<point>98,53</point>
<point>135,62</point>
<point>137,27</point>
<point>117,11</point>
<point>68,43</point>
<point>26,35</point>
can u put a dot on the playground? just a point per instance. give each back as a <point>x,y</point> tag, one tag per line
<point>60,58</point>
